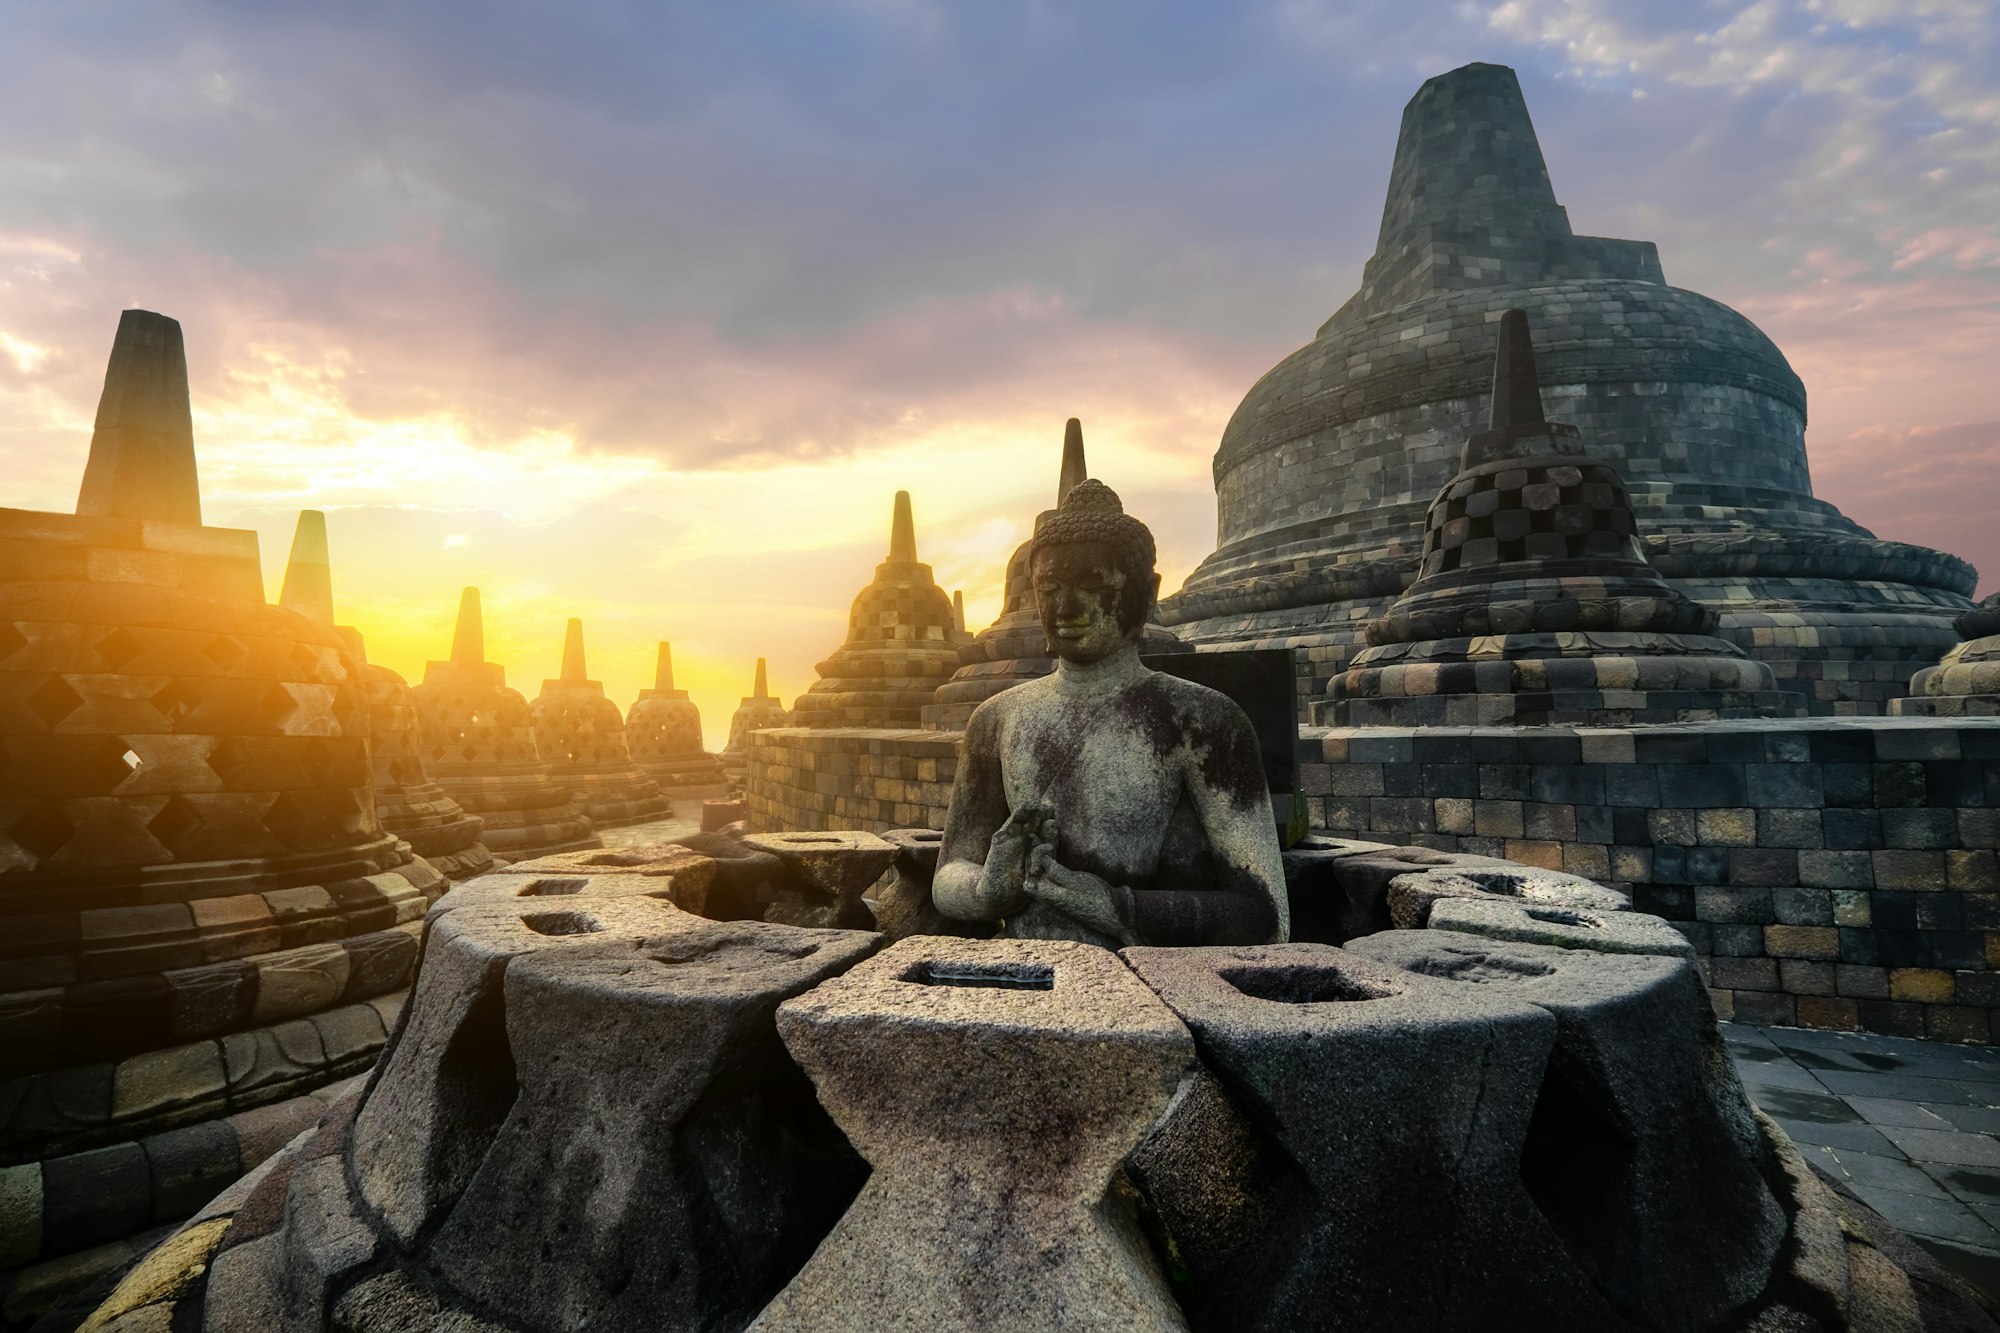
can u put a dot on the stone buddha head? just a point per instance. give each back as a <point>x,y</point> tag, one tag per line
<point>1092,568</point>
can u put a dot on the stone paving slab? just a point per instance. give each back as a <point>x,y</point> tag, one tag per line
<point>1912,1127</point>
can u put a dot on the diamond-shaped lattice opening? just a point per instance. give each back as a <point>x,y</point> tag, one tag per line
<point>176,821</point>
<point>305,657</point>
<point>175,700</point>
<point>11,639</point>
<point>277,704</point>
<point>94,767</point>
<point>287,820</point>
<point>54,700</point>
<point>42,831</point>
<point>228,761</point>
<point>117,648</point>
<point>224,651</point>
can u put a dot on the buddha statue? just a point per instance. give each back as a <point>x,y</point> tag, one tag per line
<point>1107,802</point>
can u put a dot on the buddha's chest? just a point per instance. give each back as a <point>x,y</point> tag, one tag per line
<point>1089,772</point>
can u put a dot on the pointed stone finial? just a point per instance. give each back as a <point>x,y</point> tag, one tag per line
<point>1516,425</point>
<point>573,672</point>
<point>762,690</point>
<point>958,609</point>
<point>142,450</point>
<point>663,671</point>
<point>1517,394</point>
<point>468,640</point>
<point>1074,470</point>
<point>308,586</point>
<point>903,531</point>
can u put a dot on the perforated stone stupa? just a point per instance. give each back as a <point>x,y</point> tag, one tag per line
<point>663,729</point>
<point>902,643</point>
<point>479,745</point>
<point>202,922</point>
<point>759,710</point>
<point>581,738</point>
<point>1324,472</point>
<point>408,803</point>
<point>1013,648</point>
<point>1534,602</point>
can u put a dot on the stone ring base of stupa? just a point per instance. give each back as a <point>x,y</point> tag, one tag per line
<point>1489,1088</point>
<point>1946,705</point>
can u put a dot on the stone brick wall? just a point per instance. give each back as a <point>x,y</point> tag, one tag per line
<point>1831,872</point>
<point>814,778</point>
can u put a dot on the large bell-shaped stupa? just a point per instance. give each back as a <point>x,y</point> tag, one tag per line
<point>1325,471</point>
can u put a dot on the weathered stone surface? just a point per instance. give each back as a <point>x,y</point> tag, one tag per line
<point>657,1116</point>
<point>1382,1189</point>
<point>449,1079</point>
<point>1562,927</point>
<point>991,1204</point>
<point>1410,895</point>
<point>681,875</point>
<point>904,907</point>
<point>835,869</point>
<point>1638,1089</point>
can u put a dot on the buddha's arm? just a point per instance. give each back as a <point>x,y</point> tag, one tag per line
<point>1247,905</point>
<point>969,885</point>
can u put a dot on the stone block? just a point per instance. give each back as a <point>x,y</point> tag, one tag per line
<point>968,1218</point>
<point>1361,1081</point>
<point>702,1140</point>
<point>1819,942</point>
<point>1640,1084</point>
<point>1559,927</point>
<point>836,868</point>
<point>1921,985</point>
<point>1744,974</point>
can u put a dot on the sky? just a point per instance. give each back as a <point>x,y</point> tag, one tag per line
<point>641,312</point>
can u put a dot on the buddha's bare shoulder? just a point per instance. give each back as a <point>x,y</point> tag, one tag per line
<point>1192,701</point>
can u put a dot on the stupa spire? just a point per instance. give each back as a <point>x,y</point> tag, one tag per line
<point>958,609</point>
<point>663,670</point>
<point>762,690</point>
<point>1074,470</point>
<point>1467,149</point>
<point>1516,424</point>
<point>903,531</point>
<point>573,670</point>
<point>308,586</point>
<point>142,449</point>
<point>468,640</point>
<point>1517,394</point>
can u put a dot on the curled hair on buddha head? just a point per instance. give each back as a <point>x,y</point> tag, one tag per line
<point>1091,514</point>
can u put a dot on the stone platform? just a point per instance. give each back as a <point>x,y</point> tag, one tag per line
<point>1496,1081</point>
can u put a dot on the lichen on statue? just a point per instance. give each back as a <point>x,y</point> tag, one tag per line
<point>1108,802</point>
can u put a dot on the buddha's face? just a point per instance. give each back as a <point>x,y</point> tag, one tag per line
<point>1078,588</point>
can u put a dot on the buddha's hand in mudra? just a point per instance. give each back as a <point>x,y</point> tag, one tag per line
<point>1002,879</point>
<point>1077,894</point>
